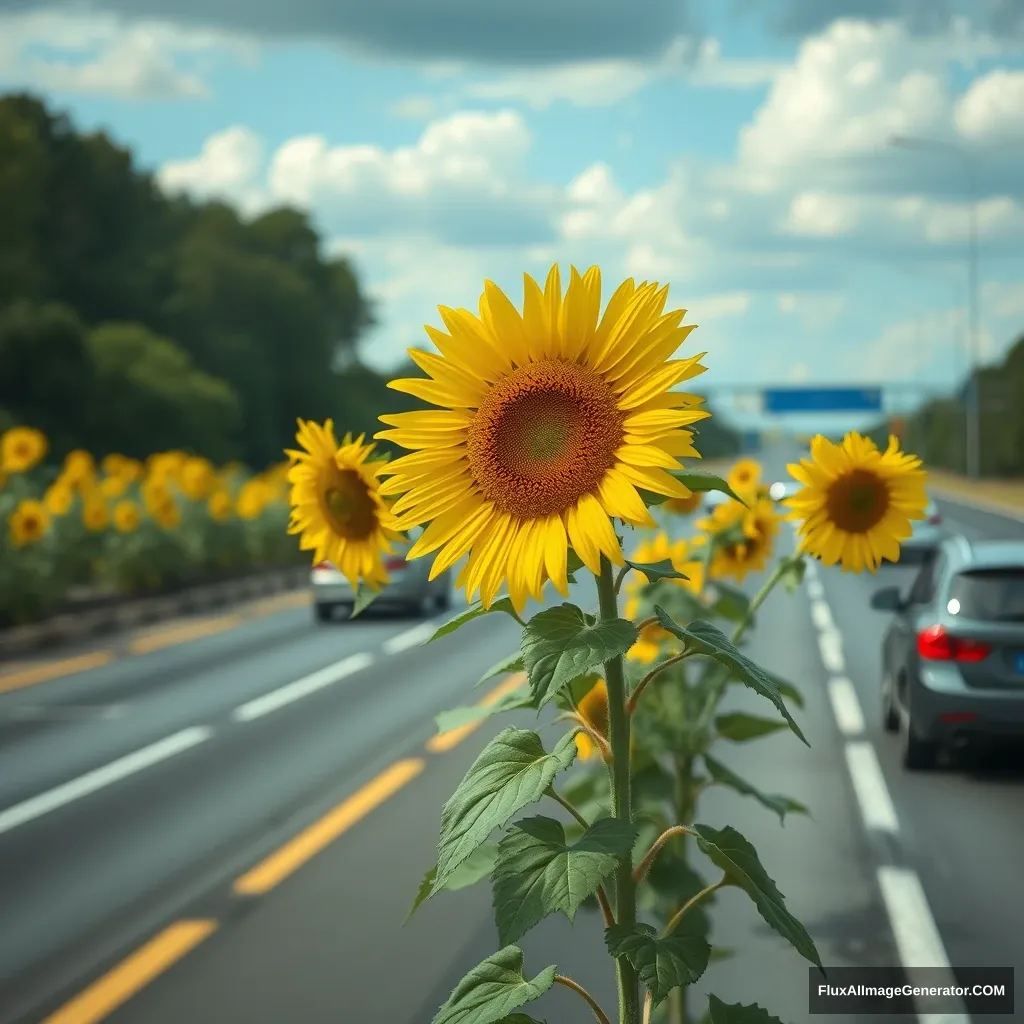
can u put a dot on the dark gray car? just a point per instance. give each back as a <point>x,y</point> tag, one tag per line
<point>953,655</point>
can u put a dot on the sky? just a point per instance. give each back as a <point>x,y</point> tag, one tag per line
<point>738,150</point>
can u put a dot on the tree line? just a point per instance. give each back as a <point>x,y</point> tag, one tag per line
<point>133,321</point>
<point>937,431</point>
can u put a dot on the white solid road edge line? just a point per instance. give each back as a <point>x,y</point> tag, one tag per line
<point>410,638</point>
<point>90,782</point>
<point>845,706</point>
<point>830,643</point>
<point>876,805</point>
<point>303,687</point>
<point>918,942</point>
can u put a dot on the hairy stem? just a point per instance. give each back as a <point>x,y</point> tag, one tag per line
<point>602,896</point>
<point>619,577</point>
<point>692,902</point>
<point>685,806</point>
<point>560,979</point>
<point>634,697</point>
<point>759,598</point>
<point>670,833</point>
<point>618,735</point>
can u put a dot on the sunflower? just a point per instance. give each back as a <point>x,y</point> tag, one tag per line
<point>59,497</point>
<point>683,506</point>
<point>127,517</point>
<point>856,502</point>
<point>745,536</point>
<point>79,468</point>
<point>550,422</point>
<point>165,512</point>
<point>112,487</point>
<point>28,523</point>
<point>122,467</point>
<point>593,715</point>
<point>21,448</point>
<point>337,507</point>
<point>197,478</point>
<point>95,513</point>
<point>219,506</point>
<point>745,477</point>
<point>252,498</point>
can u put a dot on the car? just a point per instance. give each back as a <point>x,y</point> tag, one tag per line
<point>409,589</point>
<point>953,653</point>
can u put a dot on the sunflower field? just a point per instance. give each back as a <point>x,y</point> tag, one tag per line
<point>118,525</point>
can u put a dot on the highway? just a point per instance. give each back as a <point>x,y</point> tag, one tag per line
<point>232,826</point>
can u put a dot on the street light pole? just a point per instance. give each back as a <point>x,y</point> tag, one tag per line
<point>972,397</point>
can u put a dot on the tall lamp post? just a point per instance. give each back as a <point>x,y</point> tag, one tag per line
<point>973,397</point>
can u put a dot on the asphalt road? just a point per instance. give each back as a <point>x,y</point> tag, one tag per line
<point>135,795</point>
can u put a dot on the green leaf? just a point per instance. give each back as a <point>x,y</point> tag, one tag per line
<point>704,638</point>
<point>657,571</point>
<point>573,562</point>
<point>729,602</point>
<point>364,598</point>
<point>737,1013</point>
<point>474,611</point>
<point>738,859</point>
<point>576,691</point>
<point>520,1018</point>
<point>538,872</point>
<point>458,717</point>
<point>793,575</point>
<point>739,727</point>
<point>662,963</point>
<point>559,645</point>
<point>786,689</point>
<point>493,989</point>
<point>476,867</point>
<point>510,663</point>
<point>698,480</point>
<point>512,771</point>
<point>719,953</point>
<point>781,805</point>
<point>649,498</point>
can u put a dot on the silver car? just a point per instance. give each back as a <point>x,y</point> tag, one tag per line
<point>953,655</point>
<point>408,591</point>
<point>927,535</point>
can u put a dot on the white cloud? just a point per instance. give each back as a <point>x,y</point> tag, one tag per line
<point>815,215</point>
<point>1004,300</point>
<point>714,307</point>
<point>416,108</point>
<point>226,168</point>
<point>992,108</point>
<point>101,54</point>
<point>817,311</point>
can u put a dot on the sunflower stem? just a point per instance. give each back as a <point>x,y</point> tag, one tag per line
<point>618,735</point>
<point>759,598</point>
<point>620,577</point>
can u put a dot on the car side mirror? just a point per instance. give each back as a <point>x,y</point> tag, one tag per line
<point>888,599</point>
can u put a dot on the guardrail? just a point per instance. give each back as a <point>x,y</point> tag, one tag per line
<point>115,615</point>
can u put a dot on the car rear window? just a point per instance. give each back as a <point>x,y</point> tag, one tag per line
<point>988,595</point>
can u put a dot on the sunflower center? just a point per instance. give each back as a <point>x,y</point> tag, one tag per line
<point>348,505</point>
<point>858,501</point>
<point>543,437</point>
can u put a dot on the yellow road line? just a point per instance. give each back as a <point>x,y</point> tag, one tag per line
<point>271,605</point>
<point>445,741</point>
<point>306,845</point>
<point>133,974</point>
<point>53,670</point>
<point>183,633</point>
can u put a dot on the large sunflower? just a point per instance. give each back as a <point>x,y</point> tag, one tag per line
<point>21,448</point>
<point>745,537</point>
<point>28,523</point>
<point>337,508</point>
<point>856,502</point>
<point>551,422</point>
<point>745,477</point>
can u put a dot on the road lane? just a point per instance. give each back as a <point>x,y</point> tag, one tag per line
<point>102,864</point>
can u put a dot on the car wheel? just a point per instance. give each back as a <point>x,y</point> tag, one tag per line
<point>918,754</point>
<point>444,600</point>
<point>324,612</point>
<point>890,716</point>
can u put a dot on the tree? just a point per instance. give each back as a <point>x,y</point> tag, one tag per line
<point>149,397</point>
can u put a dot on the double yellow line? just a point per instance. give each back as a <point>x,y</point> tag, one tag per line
<point>138,970</point>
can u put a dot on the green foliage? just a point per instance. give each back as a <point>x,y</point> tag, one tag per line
<point>510,663</point>
<point>269,322</point>
<point>474,611</point>
<point>781,805</point>
<point>365,596</point>
<point>663,962</point>
<point>700,482</point>
<point>739,727</point>
<point>658,571</point>
<point>458,717</point>
<point>540,872</point>
<point>512,771</point>
<point>493,989</point>
<point>476,867</point>
<point>730,851</point>
<point>559,644</point>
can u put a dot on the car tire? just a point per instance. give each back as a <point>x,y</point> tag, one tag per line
<point>890,716</point>
<point>918,754</point>
<point>323,612</point>
<point>444,600</point>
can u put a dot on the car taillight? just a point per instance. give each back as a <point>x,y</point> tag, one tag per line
<point>935,644</point>
<point>395,564</point>
<point>935,519</point>
<point>323,567</point>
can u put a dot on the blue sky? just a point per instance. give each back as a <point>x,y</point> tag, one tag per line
<point>735,149</point>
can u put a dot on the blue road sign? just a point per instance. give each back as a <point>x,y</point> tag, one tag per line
<point>797,399</point>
